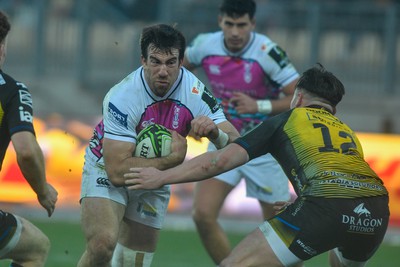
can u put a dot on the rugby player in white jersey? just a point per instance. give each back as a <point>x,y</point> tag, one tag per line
<point>121,226</point>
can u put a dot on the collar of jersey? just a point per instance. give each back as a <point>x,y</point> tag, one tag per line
<point>319,107</point>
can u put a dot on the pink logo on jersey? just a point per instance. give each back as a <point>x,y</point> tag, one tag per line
<point>169,113</point>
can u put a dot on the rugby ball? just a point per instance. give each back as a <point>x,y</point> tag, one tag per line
<point>153,141</point>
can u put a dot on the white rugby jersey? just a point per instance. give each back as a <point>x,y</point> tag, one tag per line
<point>260,70</point>
<point>130,106</point>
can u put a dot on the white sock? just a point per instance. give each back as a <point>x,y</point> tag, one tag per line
<point>125,257</point>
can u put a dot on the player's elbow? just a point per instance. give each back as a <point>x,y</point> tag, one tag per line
<point>116,179</point>
<point>222,162</point>
<point>26,154</point>
<point>230,157</point>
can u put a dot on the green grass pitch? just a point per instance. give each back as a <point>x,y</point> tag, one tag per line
<point>175,248</point>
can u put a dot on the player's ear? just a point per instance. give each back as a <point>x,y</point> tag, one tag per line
<point>2,48</point>
<point>253,23</point>
<point>220,21</point>
<point>333,110</point>
<point>143,60</point>
<point>296,99</point>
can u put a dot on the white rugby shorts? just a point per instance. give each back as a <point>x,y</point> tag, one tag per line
<point>265,179</point>
<point>148,207</point>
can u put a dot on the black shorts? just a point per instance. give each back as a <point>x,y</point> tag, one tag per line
<point>8,226</point>
<point>311,226</point>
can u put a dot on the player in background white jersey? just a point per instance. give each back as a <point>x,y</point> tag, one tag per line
<point>121,226</point>
<point>253,79</point>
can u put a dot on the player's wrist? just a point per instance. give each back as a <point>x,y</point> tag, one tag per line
<point>264,106</point>
<point>222,139</point>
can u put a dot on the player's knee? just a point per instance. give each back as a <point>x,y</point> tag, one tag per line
<point>100,250</point>
<point>126,257</point>
<point>202,216</point>
<point>335,258</point>
<point>44,247</point>
<point>39,252</point>
<point>228,263</point>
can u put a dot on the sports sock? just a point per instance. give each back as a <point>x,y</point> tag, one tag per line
<point>126,257</point>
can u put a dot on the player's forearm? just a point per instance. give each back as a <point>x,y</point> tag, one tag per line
<point>206,166</point>
<point>116,173</point>
<point>32,166</point>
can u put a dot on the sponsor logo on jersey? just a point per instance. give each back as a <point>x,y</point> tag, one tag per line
<point>279,56</point>
<point>25,115</point>
<point>21,85</point>
<point>197,87</point>
<point>195,91</point>
<point>146,210</point>
<point>102,182</point>
<point>144,124</point>
<point>307,249</point>
<point>361,210</point>
<point>264,47</point>
<point>362,221</point>
<point>210,100</point>
<point>117,115</point>
<point>247,72</point>
<point>25,97</point>
<point>175,120</point>
<point>96,142</point>
<point>214,69</point>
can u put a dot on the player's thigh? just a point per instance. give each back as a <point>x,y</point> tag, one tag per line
<point>101,216</point>
<point>209,196</point>
<point>32,245</point>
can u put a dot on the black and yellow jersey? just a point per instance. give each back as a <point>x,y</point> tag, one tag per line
<point>321,155</point>
<point>15,111</point>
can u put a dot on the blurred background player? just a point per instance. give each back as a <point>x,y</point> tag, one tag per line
<point>20,240</point>
<point>342,205</point>
<point>253,79</point>
<point>121,226</point>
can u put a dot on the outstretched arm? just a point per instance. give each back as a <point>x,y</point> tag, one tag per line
<point>199,168</point>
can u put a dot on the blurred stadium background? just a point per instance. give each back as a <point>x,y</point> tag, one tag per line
<point>70,52</point>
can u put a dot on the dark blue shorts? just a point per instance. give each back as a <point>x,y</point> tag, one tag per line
<point>8,226</point>
<point>311,226</point>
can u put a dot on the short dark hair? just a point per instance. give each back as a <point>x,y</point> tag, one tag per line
<point>163,37</point>
<point>238,8</point>
<point>4,26</point>
<point>322,83</point>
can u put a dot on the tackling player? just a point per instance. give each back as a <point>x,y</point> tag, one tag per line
<point>342,205</point>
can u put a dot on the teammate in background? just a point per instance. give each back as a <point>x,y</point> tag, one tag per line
<point>114,219</point>
<point>253,79</point>
<point>342,205</point>
<point>20,240</point>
